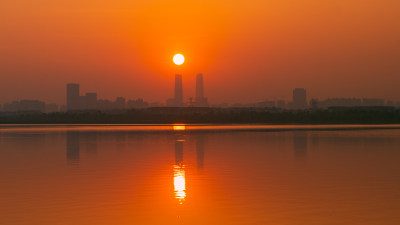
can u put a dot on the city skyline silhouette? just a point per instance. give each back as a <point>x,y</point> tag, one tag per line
<point>89,101</point>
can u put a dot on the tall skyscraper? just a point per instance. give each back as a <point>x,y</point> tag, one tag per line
<point>199,86</point>
<point>73,97</point>
<point>299,98</point>
<point>200,100</point>
<point>178,90</point>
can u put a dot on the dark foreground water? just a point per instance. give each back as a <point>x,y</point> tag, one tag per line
<point>199,175</point>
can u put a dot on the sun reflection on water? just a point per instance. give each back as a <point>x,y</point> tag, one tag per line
<point>179,127</point>
<point>179,168</point>
<point>179,183</point>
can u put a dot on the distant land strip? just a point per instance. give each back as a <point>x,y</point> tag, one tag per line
<point>187,115</point>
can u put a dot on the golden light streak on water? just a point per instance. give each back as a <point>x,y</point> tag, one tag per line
<point>179,127</point>
<point>179,183</point>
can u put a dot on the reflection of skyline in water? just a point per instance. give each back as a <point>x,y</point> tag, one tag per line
<point>73,150</point>
<point>248,177</point>
<point>200,151</point>
<point>300,143</point>
<point>179,173</point>
<point>90,142</point>
<point>179,167</point>
<point>76,140</point>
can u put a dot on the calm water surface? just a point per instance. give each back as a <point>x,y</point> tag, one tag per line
<point>199,175</point>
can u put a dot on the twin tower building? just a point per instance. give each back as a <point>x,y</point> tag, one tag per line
<point>199,101</point>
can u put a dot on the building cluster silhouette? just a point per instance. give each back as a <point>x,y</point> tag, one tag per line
<point>299,102</point>
<point>89,101</point>
<point>350,102</point>
<point>29,106</point>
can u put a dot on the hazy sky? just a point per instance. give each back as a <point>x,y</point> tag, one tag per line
<point>248,51</point>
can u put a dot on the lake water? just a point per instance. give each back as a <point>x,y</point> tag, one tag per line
<point>209,175</point>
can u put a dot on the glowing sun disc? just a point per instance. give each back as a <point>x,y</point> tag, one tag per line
<point>179,59</point>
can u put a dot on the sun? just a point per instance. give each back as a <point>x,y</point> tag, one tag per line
<point>179,59</point>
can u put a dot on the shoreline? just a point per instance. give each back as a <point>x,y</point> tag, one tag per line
<point>187,128</point>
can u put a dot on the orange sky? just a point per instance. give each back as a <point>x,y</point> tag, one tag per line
<point>249,51</point>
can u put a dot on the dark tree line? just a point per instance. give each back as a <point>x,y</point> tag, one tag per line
<point>210,115</point>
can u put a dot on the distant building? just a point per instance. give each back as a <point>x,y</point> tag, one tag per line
<point>221,105</point>
<point>339,102</point>
<point>73,99</point>
<point>11,107</point>
<point>120,103</point>
<point>299,98</point>
<point>76,102</point>
<point>178,91</point>
<point>82,103</point>
<point>314,103</point>
<point>32,105</point>
<point>25,106</point>
<point>50,108</point>
<point>90,101</point>
<point>105,104</point>
<point>138,103</point>
<point>390,103</point>
<point>170,102</point>
<point>177,101</point>
<point>156,104</point>
<point>200,100</point>
<point>281,104</point>
<point>265,104</point>
<point>63,108</point>
<point>373,102</point>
